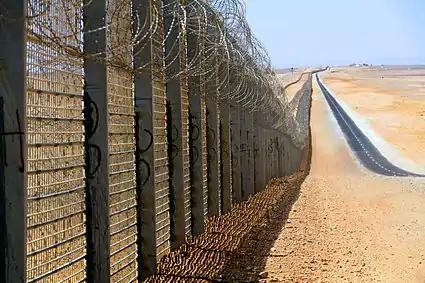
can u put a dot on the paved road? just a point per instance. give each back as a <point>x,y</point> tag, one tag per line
<point>367,153</point>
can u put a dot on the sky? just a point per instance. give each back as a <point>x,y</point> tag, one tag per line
<point>300,33</point>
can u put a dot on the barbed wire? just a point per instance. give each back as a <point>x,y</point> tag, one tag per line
<point>226,46</point>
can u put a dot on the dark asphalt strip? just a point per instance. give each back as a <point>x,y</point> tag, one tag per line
<point>366,152</point>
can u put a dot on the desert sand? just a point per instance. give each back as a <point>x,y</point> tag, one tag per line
<point>349,225</point>
<point>391,101</point>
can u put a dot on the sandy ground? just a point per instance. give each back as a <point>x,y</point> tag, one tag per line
<point>292,90</point>
<point>289,77</point>
<point>349,225</point>
<point>392,102</point>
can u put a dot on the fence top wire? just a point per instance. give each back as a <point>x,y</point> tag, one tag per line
<point>225,46</point>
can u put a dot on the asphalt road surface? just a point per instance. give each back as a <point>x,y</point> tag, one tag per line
<point>364,149</point>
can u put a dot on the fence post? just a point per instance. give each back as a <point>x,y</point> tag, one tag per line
<point>281,154</point>
<point>197,134</point>
<point>291,157</point>
<point>177,127</point>
<point>96,142</point>
<point>266,155</point>
<point>235,133</point>
<point>272,154</point>
<point>262,154</point>
<point>287,150</point>
<point>213,136</point>
<point>275,155</point>
<point>258,155</point>
<point>13,141</point>
<point>250,154</point>
<point>225,149</point>
<point>269,154</point>
<point>244,155</point>
<point>213,133</point>
<point>151,147</point>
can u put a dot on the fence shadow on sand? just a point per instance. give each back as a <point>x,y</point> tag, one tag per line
<point>234,247</point>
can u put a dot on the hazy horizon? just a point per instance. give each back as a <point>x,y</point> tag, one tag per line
<point>420,66</point>
<point>312,33</point>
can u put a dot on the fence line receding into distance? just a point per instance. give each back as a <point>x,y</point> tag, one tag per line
<point>123,125</point>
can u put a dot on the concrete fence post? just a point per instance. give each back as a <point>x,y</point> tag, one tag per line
<point>177,128</point>
<point>263,157</point>
<point>235,131</point>
<point>225,150</point>
<point>286,154</point>
<point>244,155</point>
<point>270,154</point>
<point>151,147</point>
<point>258,155</point>
<point>213,156</point>
<point>96,142</point>
<point>13,141</point>
<point>250,153</point>
<point>273,154</point>
<point>276,154</point>
<point>197,135</point>
<point>213,128</point>
<point>282,155</point>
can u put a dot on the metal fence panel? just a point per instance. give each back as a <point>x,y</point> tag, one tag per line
<point>235,134</point>
<point>204,125</point>
<point>204,151</point>
<point>122,175</point>
<point>56,245</point>
<point>122,193</point>
<point>177,127</point>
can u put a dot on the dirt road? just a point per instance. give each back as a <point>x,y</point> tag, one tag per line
<point>349,225</point>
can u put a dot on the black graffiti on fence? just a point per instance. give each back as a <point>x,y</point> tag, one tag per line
<point>91,123</point>
<point>211,131</point>
<point>172,136</point>
<point>3,133</point>
<point>140,151</point>
<point>212,157</point>
<point>193,128</point>
<point>270,147</point>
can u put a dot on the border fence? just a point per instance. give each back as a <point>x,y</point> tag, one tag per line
<point>123,125</point>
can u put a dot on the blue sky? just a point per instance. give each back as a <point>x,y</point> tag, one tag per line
<point>337,32</point>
